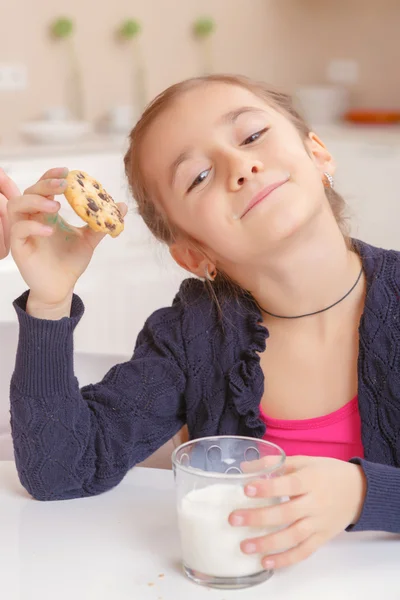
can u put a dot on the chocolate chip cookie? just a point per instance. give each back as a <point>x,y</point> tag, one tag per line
<point>93,204</point>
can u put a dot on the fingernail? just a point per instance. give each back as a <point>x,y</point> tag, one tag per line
<point>47,229</point>
<point>251,490</point>
<point>237,520</point>
<point>250,548</point>
<point>64,172</point>
<point>52,205</point>
<point>58,183</point>
<point>268,565</point>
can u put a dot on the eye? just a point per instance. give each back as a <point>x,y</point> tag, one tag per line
<point>199,179</point>
<point>254,137</point>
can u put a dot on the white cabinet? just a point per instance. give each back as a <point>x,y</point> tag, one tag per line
<point>368,179</point>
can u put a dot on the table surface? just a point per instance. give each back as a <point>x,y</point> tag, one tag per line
<point>124,545</point>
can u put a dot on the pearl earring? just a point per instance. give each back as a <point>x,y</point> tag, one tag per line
<point>328,180</point>
<point>210,276</point>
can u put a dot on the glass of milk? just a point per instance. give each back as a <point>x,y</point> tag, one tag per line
<point>210,475</point>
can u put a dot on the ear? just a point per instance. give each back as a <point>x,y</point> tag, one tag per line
<point>322,157</point>
<point>189,258</point>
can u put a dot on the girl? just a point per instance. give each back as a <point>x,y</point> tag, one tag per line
<point>293,336</point>
<point>8,189</point>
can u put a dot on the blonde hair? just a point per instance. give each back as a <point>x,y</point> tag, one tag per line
<point>152,213</point>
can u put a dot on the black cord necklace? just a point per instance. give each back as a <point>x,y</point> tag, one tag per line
<point>317,312</point>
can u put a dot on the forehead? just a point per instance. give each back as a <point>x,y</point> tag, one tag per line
<point>190,118</point>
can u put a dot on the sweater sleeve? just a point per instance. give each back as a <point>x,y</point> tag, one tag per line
<point>71,443</point>
<point>381,509</point>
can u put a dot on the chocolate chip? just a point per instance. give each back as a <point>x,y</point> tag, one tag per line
<point>103,197</point>
<point>110,226</point>
<point>92,204</point>
<point>88,212</point>
<point>80,176</point>
<point>96,185</point>
<point>81,183</point>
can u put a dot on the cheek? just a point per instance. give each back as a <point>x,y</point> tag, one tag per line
<point>212,226</point>
<point>198,217</point>
<point>296,158</point>
<point>209,217</point>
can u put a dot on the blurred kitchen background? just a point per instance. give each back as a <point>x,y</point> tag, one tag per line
<point>74,77</point>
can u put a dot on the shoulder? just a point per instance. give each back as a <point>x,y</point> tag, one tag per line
<point>381,266</point>
<point>382,272</point>
<point>201,317</point>
<point>191,302</point>
<point>189,316</point>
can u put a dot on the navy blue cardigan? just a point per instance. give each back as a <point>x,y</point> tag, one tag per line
<point>190,366</point>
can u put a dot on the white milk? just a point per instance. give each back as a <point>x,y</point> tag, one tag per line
<point>210,544</point>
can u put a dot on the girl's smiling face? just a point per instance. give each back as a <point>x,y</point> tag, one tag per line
<point>233,175</point>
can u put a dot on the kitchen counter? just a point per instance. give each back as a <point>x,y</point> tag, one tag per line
<point>369,134</point>
<point>93,144</point>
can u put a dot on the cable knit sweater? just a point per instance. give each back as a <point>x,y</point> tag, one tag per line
<point>190,365</point>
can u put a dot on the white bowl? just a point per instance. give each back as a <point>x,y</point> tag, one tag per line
<point>55,132</point>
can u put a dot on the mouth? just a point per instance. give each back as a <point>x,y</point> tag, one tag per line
<point>264,193</point>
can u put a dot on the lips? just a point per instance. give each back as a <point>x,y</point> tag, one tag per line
<point>261,195</point>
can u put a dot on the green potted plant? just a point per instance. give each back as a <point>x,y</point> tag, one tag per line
<point>62,29</point>
<point>203,29</point>
<point>129,33</point>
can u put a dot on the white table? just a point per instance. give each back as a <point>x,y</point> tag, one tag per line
<point>124,545</point>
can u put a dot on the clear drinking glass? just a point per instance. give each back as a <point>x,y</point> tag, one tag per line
<point>210,475</point>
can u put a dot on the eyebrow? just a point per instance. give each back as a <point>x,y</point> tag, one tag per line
<point>226,119</point>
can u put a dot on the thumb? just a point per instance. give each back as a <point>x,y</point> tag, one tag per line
<point>7,186</point>
<point>94,237</point>
<point>123,208</point>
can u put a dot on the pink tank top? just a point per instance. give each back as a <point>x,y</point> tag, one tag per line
<point>337,435</point>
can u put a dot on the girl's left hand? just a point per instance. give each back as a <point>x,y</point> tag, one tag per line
<point>326,496</point>
<point>8,190</point>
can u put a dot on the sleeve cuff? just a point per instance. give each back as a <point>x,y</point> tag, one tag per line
<point>381,509</point>
<point>44,361</point>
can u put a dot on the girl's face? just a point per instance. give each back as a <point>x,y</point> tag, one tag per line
<point>234,174</point>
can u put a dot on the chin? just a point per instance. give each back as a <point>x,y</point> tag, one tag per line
<point>285,225</point>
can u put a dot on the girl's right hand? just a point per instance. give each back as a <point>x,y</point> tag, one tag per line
<point>50,254</point>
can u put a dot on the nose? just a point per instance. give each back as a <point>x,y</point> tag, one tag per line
<point>243,171</point>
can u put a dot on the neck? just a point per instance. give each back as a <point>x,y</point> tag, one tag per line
<point>313,269</point>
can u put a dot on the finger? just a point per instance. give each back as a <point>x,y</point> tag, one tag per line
<point>294,555</point>
<point>7,186</point>
<point>25,229</point>
<point>33,204</point>
<point>271,516</point>
<point>93,238</point>
<point>278,541</point>
<point>4,240</point>
<point>293,484</point>
<point>57,173</point>
<point>47,187</point>
<point>271,461</point>
<point>123,208</point>
<point>4,230</point>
